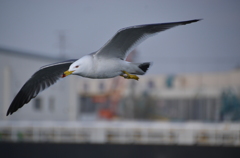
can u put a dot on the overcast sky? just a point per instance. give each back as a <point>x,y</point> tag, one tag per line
<point>212,44</point>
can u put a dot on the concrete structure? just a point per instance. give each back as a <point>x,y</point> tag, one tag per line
<point>55,103</point>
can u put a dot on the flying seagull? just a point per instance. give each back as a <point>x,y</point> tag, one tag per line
<point>107,62</point>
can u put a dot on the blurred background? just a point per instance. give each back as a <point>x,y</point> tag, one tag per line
<point>187,105</point>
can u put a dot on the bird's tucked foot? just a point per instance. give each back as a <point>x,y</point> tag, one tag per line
<point>129,76</point>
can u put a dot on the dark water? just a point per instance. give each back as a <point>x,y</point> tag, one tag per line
<point>50,150</point>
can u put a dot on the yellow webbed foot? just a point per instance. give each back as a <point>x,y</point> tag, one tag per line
<point>129,76</point>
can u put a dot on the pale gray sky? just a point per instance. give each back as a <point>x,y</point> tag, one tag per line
<point>212,44</point>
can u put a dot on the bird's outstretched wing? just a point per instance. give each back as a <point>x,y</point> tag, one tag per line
<point>40,80</point>
<point>126,39</point>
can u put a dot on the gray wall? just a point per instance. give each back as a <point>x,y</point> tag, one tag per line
<point>16,69</point>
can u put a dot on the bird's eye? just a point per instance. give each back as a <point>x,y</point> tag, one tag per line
<point>76,66</point>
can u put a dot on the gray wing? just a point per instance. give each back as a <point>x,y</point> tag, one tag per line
<point>125,40</point>
<point>40,80</point>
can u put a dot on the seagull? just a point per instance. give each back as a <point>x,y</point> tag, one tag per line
<point>108,62</point>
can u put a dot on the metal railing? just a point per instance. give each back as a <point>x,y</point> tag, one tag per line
<point>192,133</point>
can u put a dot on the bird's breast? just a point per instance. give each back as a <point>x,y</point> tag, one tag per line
<point>107,68</point>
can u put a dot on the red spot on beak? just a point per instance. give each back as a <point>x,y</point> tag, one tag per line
<point>63,75</point>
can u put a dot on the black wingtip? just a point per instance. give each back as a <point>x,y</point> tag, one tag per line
<point>8,112</point>
<point>191,21</point>
<point>11,110</point>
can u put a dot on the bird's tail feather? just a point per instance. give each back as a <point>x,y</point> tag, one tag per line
<point>145,66</point>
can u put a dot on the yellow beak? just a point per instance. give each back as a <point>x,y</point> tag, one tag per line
<point>68,73</point>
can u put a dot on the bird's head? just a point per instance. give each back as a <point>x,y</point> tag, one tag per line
<point>78,67</point>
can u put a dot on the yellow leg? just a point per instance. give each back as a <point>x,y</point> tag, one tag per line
<point>129,76</point>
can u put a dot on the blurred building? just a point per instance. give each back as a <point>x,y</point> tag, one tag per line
<point>16,68</point>
<point>184,97</point>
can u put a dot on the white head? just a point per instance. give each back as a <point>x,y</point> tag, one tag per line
<point>79,67</point>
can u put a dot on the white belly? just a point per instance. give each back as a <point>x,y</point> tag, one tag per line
<point>105,69</point>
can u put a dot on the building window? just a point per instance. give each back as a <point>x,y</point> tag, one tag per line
<point>151,84</point>
<point>51,104</point>
<point>101,86</point>
<point>87,104</point>
<point>169,81</point>
<point>85,87</point>
<point>37,104</point>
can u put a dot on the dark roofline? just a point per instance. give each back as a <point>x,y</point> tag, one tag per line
<point>21,53</point>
